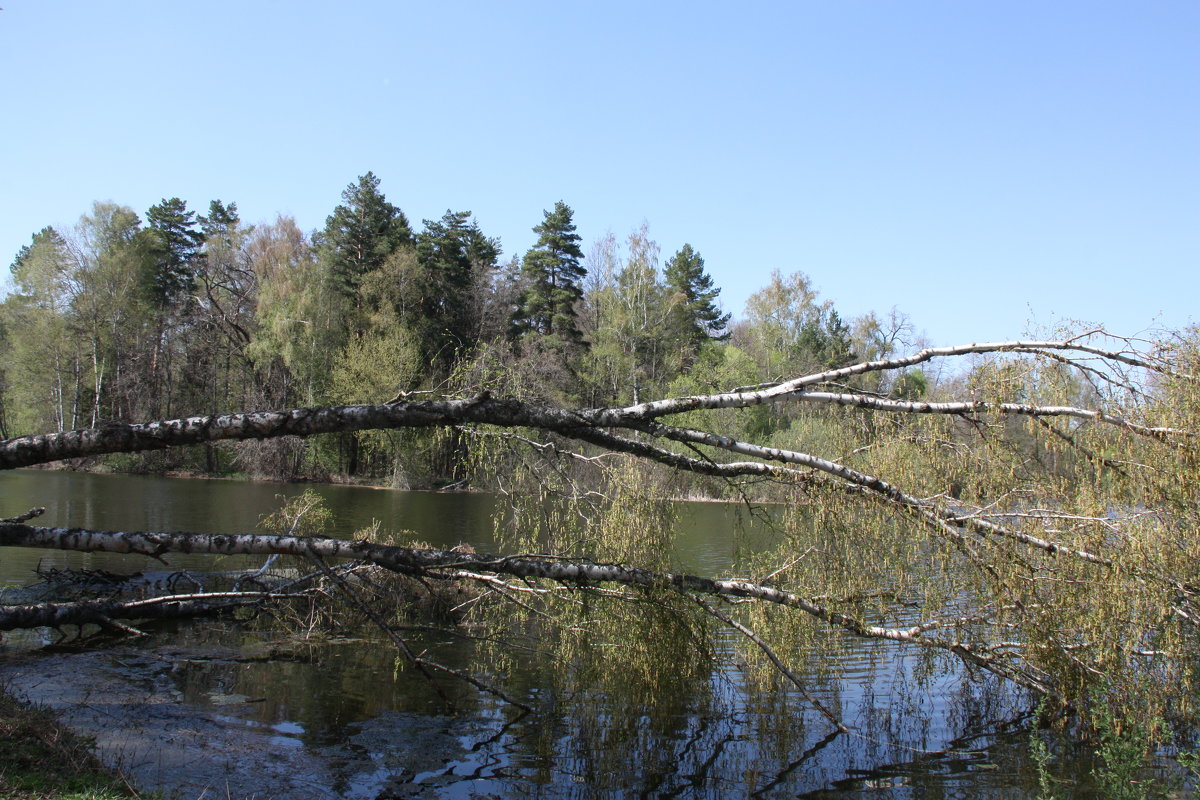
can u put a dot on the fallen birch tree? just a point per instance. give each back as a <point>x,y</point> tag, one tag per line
<point>1058,556</point>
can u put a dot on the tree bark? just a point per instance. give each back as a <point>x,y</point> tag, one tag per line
<point>423,561</point>
<point>642,430</point>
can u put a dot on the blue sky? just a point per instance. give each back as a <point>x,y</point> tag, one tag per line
<point>976,165</point>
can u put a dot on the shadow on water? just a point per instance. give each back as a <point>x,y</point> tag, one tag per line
<point>236,711</point>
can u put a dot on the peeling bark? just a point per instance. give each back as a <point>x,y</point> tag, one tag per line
<point>574,423</point>
<point>604,427</point>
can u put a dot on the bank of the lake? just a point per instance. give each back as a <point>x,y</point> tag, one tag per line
<point>43,759</point>
<point>99,467</point>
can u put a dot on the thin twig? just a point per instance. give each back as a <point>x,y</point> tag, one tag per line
<point>779,665</point>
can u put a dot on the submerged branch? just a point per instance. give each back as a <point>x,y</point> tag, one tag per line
<point>102,612</point>
<point>410,560</point>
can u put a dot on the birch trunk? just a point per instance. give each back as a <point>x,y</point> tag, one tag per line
<point>423,561</point>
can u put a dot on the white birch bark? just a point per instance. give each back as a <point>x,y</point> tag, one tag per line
<point>410,560</point>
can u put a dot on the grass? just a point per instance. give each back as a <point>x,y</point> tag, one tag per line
<point>42,760</point>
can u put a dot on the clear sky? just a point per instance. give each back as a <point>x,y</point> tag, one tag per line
<point>975,165</point>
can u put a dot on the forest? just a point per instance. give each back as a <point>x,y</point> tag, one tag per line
<point>182,313</point>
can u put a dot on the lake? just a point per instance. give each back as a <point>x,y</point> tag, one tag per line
<point>347,720</point>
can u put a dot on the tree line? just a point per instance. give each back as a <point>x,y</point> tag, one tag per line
<point>122,319</point>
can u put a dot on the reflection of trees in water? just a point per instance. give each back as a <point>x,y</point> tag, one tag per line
<point>636,693</point>
<point>657,721</point>
<point>320,685</point>
<point>721,745</point>
<point>651,715</point>
<point>1038,539</point>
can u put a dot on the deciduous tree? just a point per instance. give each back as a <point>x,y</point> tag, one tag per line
<point>45,358</point>
<point>298,315</point>
<point>629,313</point>
<point>1066,584</point>
<point>788,328</point>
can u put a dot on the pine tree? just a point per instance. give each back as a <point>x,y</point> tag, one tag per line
<point>456,261</point>
<point>696,316</point>
<point>175,245</point>
<point>360,234</point>
<point>553,272</point>
<point>827,341</point>
<point>220,220</point>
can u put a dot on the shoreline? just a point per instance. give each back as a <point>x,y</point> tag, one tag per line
<point>42,756</point>
<point>338,480</point>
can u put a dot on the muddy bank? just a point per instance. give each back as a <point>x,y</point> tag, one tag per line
<point>128,700</point>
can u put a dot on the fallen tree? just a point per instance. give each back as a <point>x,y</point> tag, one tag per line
<point>1057,555</point>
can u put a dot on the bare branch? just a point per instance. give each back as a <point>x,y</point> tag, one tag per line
<point>101,612</point>
<point>420,560</point>
<point>779,665</point>
<point>982,407</point>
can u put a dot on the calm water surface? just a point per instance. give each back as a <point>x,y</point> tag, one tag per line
<point>376,730</point>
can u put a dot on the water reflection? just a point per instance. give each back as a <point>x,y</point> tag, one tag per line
<point>698,733</point>
<point>636,709</point>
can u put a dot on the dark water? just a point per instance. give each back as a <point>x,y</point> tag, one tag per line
<point>370,728</point>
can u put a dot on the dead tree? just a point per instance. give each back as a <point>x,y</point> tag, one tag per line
<point>1056,553</point>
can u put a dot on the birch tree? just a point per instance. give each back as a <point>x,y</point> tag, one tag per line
<point>46,361</point>
<point>951,538</point>
<point>630,312</point>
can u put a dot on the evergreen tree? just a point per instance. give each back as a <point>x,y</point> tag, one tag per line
<point>695,314</point>
<point>827,341</point>
<point>220,221</point>
<point>456,262</point>
<point>23,255</point>
<point>360,234</point>
<point>359,237</point>
<point>175,244</point>
<point>553,272</point>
